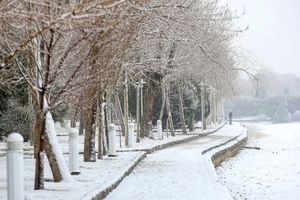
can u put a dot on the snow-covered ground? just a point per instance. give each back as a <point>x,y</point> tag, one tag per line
<point>94,177</point>
<point>178,173</point>
<point>272,173</point>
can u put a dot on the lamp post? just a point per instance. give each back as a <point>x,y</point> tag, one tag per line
<point>139,107</point>
<point>202,105</point>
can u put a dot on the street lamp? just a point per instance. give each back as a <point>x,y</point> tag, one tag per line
<point>139,108</point>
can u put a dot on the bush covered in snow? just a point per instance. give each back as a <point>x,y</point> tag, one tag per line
<point>282,114</point>
<point>251,106</point>
<point>261,118</point>
<point>244,106</point>
<point>296,116</point>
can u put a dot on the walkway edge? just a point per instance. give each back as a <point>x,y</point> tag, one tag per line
<point>217,154</point>
<point>99,195</point>
<point>173,143</point>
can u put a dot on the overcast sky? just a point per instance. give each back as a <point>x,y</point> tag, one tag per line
<point>274,32</point>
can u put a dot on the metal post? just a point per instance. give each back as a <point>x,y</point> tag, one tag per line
<point>15,167</point>
<point>112,152</point>
<point>131,135</point>
<point>73,151</point>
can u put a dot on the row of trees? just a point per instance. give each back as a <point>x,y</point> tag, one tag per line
<point>92,56</point>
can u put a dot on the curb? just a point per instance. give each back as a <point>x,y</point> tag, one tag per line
<point>99,195</point>
<point>102,194</point>
<point>173,143</point>
<point>218,157</point>
<point>229,151</point>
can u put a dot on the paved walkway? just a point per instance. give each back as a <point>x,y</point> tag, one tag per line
<point>181,172</point>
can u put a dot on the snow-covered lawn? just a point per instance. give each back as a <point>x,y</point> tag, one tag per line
<point>272,173</point>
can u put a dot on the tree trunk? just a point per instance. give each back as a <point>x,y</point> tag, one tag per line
<point>55,157</point>
<point>168,106</point>
<point>73,120</point>
<point>182,118</point>
<point>101,123</point>
<point>138,108</point>
<point>126,111</point>
<point>192,122</point>
<point>119,110</point>
<point>89,137</point>
<point>106,140</point>
<point>46,140</point>
<point>39,130</point>
<point>152,88</point>
<point>81,121</point>
<point>163,102</point>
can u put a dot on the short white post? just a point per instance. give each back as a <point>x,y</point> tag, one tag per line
<point>131,135</point>
<point>73,151</point>
<point>112,151</point>
<point>15,167</point>
<point>159,130</point>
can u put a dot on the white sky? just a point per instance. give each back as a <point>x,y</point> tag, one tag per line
<point>274,32</point>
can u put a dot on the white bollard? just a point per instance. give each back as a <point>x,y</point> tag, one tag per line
<point>73,151</point>
<point>15,167</point>
<point>131,135</point>
<point>159,130</point>
<point>112,151</point>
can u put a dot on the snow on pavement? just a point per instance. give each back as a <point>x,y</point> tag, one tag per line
<point>95,176</point>
<point>178,173</point>
<point>272,173</point>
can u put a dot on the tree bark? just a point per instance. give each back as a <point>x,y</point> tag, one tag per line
<point>119,110</point>
<point>126,111</point>
<point>182,118</point>
<point>101,123</point>
<point>163,102</point>
<point>138,109</point>
<point>81,121</point>
<point>106,140</point>
<point>192,122</point>
<point>168,106</point>
<point>152,88</point>
<point>89,138</point>
<point>46,142</point>
<point>39,130</point>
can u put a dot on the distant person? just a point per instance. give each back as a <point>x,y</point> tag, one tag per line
<point>230,118</point>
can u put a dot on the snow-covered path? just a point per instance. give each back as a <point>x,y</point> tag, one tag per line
<point>181,172</point>
<point>272,173</point>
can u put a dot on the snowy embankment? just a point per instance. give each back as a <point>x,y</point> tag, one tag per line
<point>96,178</point>
<point>271,173</point>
